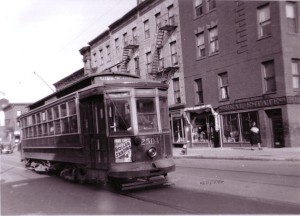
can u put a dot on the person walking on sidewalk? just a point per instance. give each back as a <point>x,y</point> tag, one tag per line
<point>254,136</point>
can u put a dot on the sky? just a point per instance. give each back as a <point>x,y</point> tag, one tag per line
<point>40,41</point>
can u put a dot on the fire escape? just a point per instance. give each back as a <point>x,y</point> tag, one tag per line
<point>162,72</point>
<point>130,44</point>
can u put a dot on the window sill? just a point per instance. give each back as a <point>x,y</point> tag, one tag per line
<point>266,94</point>
<point>177,106</point>
<point>296,90</point>
<point>211,11</point>
<point>198,17</point>
<point>264,37</point>
<point>223,100</point>
<point>214,54</point>
<point>199,104</point>
<point>293,33</point>
<point>200,58</point>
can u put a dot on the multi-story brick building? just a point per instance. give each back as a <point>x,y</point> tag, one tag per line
<point>228,64</point>
<point>241,63</point>
<point>11,128</point>
<point>146,41</point>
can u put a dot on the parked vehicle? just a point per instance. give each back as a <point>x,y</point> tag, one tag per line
<point>6,149</point>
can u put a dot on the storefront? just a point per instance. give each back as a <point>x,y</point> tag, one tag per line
<point>229,125</point>
<point>273,116</point>
<point>196,126</point>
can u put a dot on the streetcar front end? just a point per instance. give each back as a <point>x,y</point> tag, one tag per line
<point>138,132</point>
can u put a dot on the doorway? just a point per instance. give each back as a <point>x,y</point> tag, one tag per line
<point>277,128</point>
<point>94,131</point>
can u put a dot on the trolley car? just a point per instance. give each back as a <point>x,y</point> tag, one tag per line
<point>107,127</point>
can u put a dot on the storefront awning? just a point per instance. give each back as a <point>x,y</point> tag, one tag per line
<point>202,108</point>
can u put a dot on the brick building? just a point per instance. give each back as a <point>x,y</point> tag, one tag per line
<point>11,129</point>
<point>146,42</point>
<point>227,63</point>
<point>241,63</point>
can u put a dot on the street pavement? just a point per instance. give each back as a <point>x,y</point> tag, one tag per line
<point>239,153</point>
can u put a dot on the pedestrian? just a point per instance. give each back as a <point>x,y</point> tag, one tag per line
<point>254,136</point>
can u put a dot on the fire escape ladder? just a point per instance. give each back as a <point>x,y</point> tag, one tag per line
<point>130,45</point>
<point>157,50</point>
<point>125,59</point>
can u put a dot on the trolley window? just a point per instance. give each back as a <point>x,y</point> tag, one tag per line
<point>146,115</point>
<point>163,106</point>
<point>119,117</point>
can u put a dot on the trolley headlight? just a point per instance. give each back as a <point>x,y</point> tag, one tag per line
<point>137,141</point>
<point>152,152</point>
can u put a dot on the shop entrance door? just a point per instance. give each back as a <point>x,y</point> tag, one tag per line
<point>277,128</point>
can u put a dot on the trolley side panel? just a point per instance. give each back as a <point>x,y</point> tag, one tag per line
<point>64,148</point>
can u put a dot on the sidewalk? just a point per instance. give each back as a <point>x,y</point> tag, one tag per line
<point>240,153</point>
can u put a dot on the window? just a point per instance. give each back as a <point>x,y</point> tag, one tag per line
<point>119,117</point>
<point>296,73</point>
<point>213,40</point>
<point>146,29</point>
<point>158,21</point>
<point>173,48</point>
<point>125,39</point>
<point>43,116</point>
<point>198,7</point>
<point>49,114</point>
<point>95,58</point>
<point>101,57</point>
<point>161,64</point>
<point>63,110</point>
<point>19,112</point>
<point>108,52</point>
<point>171,15</point>
<point>223,83</point>
<point>38,118</point>
<point>291,16</point>
<point>72,108</point>
<point>134,36</point>
<point>237,126</point>
<point>231,128</point>
<point>264,21</point>
<point>56,112</point>
<point>117,46</point>
<point>137,65</point>
<point>269,76</point>
<point>200,45</point>
<point>176,88</point>
<point>211,4</point>
<point>146,115</point>
<point>148,61</point>
<point>199,91</point>
<point>163,106</point>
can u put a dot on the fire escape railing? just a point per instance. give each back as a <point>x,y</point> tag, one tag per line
<point>158,72</point>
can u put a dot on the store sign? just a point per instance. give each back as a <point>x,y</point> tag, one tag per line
<point>123,150</point>
<point>254,104</point>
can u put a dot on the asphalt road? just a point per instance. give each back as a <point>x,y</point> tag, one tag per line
<point>198,187</point>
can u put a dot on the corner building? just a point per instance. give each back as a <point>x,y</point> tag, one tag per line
<point>145,42</point>
<point>241,62</point>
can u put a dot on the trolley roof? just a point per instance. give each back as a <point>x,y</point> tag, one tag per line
<point>104,80</point>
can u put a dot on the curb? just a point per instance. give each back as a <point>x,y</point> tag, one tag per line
<point>237,158</point>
